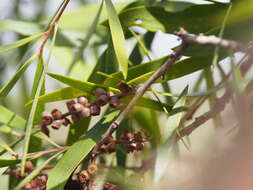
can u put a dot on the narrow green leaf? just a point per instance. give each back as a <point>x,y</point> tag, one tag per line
<point>8,162</point>
<point>34,113</point>
<point>73,157</point>
<point>21,27</point>
<point>14,45</point>
<point>8,130</point>
<point>36,171</point>
<point>11,119</point>
<point>118,38</point>
<point>44,137</point>
<point>87,87</point>
<point>5,146</point>
<point>4,91</point>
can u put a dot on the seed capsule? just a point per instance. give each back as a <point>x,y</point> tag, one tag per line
<point>114,101</point>
<point>85,112</point>
<point>110,94</point>
<point>94,110</point>
<point>70,103</point>
<point>76,107</point>
<point>111,147</point>
<point>43,128</point>
<point>57,124</point>
<point>140,146</point>
<point>92,169</point>
<point>56,114</point>
<point>99,91</point>
<point>124,88</point>
<point>82,100</point>
<point>103,100</point>
<point>46,118</point>
<point>83,176</point>
<point>29,166</point>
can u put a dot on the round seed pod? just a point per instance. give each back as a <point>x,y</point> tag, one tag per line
<point>69,104</point>
<point>82,100</point>
<point>76,108</point>
<point>95,110</point>
<point>84,176</point>
<point>56,114</point>
<point>46,118</point>
<point>103,100</point>
<point>109,140</point>
<point>114,102</point>
<point>99,91</point>
<point>57,124</point>
<point>124,88</point>
<point>85,112</point>
<point>29,166</point>
<point>92,169</point>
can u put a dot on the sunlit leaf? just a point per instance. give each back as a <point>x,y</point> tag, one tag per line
<point>17,44</point>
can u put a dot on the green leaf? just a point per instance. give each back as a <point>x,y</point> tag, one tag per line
<point>17,44</point>
<point>5,146</point>
<point>36,171</point>
<point>9,131</point>
<point>8,162</point>
<point>84,16</point>
<point>36,109</point>
<point>86,87</point>
<point>11,119</point>
<point>195,18</point>
<point>4,91</point>
<point>58,95</point>
<point>118,38</point>
<point>73,157</point>
<point>44,137</point>
<point>21,27</point>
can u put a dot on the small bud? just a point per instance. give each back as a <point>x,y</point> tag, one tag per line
<point>76,117</point>
<point>92,169</point>
<point>124,88</point>
<point>29,166</point>
<point>114,101</point>
<point>83,176</point>
<point>46,118</point>
<point>69,104</point>
<point>95,110</point>
<point>76,108</point>
<point>56,114</point>
<point>102,148</point>
<point>85,112</point>
<point>66,122</point>
<point>99,91</point>
<point>57,124</point>
<point>103,100</point>
<point>127,136</point>
<point>82,100</point>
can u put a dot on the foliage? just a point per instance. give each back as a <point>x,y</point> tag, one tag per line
<point>85,53</point>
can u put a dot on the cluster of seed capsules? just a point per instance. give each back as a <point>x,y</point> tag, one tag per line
<point>37,183</point>
<point>130,141</point>
<point>86,177</point>
<point>78,110</point>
